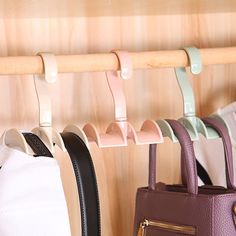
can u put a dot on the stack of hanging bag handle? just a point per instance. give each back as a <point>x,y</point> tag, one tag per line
<point>169,210</point>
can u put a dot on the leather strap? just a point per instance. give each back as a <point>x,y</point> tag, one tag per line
<point>223,133</point>
<point>86,182</point>
<point>152,167</point>
<point>202,173</point>
<point>189,160</point>
<point>37,145</point>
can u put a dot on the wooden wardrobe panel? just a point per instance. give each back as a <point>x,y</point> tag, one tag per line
<point>85,97</point>
<point>88,8</point>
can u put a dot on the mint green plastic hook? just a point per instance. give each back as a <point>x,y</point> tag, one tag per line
<point>183,81</point>
<point>188,98</point>
<point>193,124</point>
<point>195,60</point>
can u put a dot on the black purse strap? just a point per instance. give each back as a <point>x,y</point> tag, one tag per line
<point>37,145</point>
<point>86,182</point>
<point>202,173</point>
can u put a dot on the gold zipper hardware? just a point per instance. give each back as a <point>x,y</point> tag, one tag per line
<point>142,226</point>
<point>184,229</point>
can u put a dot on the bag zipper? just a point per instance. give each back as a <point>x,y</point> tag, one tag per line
<point>184,229</point>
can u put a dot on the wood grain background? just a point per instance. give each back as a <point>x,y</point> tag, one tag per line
<point>27,27</point>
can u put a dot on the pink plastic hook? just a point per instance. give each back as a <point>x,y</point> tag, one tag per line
<point>150,131</point>
<point>119,131</point>
<point>116,133</point>
<point>115,84</point>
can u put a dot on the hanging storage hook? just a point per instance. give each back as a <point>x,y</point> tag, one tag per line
<point>193,124</point>
<point>167,130</point>
<point>114,135</point>
<point>45,131</point>
<point>14,138</point>
<point>119,131</point>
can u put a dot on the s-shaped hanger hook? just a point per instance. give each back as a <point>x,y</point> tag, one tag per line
<point>193,124</point>
<point>45,130</point>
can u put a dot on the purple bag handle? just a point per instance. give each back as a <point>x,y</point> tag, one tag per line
<point>189,160</point>
<point>223,133</point>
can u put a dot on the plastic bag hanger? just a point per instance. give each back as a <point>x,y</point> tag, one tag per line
<point>119,131</point>
<point>114,135</point>
<point>149,132</point>
<point>193,124</point>
<point>167,130</point>
<point>189,105</point>
<point>14,138</point>
<point>45,131</point>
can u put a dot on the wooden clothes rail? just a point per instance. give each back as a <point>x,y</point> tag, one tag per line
<point>20,65</point>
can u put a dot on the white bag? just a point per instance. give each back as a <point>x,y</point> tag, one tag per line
<point>32,201</point>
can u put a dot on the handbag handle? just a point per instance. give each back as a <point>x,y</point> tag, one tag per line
<point>188,168</point>
<point>189,160</point>
<point>223,133</point>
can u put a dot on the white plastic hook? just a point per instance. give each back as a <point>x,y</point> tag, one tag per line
<point>45,131</point>
<point>15,139</point>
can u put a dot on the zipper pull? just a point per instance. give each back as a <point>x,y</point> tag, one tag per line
<point>234,213</point>
<point>142,226</point>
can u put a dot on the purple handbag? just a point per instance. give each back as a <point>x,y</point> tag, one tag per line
<point>168,210</point>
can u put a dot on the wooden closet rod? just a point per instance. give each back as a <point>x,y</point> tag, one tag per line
<point>108,61</point>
